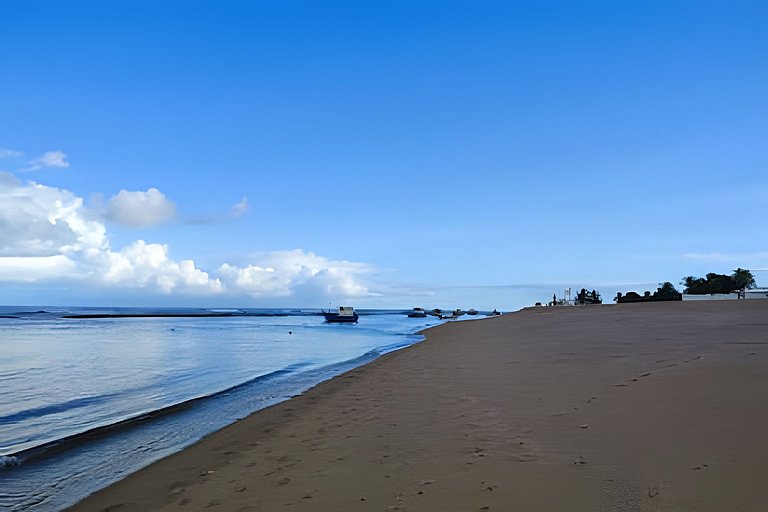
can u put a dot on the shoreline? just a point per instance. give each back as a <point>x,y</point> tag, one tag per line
<point>617,407</point>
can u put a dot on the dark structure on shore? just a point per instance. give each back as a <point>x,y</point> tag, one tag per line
<point>666,291</point>
<point>583,297</point>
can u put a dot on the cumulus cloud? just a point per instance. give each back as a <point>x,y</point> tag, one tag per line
<point>143,265</point>
<point>36,220</point>
<point>34,268</point>
<point>47,234</point>
<point>280,273</point>
<point>55,159</point>
<point>138,209</point>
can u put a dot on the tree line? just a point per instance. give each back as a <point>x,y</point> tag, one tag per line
<point>711,283</point>
<point>719,283</point>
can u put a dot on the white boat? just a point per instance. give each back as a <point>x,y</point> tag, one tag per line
<point>417,313</point>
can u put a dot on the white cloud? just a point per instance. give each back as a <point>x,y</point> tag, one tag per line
<point>137,209</point>
<point>34,268</point>
<point>143,265</point>
<point>9,153</point>
<point>36,220</point>
<point>47,234</point>
<point>281,273</point>
<point>56,159</point>
<point>240,208</point>
<point>718,257</point>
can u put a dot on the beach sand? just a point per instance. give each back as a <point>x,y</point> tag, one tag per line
<point>620,407</point>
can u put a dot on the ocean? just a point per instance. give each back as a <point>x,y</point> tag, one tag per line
<point>86,401</point>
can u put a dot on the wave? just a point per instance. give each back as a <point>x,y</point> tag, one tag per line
<point>45,449</point>
<point>54,408</point>
<point>48,448</point>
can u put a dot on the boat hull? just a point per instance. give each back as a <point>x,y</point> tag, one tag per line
<point>335,318</point>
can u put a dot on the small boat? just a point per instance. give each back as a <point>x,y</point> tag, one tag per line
<point>417,313</point>
<point>472,311</point>
<point>458,312</point>
<point>346,314</point>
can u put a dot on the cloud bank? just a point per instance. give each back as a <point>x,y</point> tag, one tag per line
<point>48,235</point>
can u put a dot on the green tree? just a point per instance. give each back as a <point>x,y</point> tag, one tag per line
<point>667,290</point>
<point>694,285</point>
<point>743,278</point>
<point>718,283</point>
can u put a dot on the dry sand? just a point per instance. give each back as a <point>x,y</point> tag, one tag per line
<point>621,407</point>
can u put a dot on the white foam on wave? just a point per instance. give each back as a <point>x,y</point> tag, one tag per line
<point>7,461</point>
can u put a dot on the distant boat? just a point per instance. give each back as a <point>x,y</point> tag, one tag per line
<point>458,312</point>
<point>471,311</point>
<point>494,313</point>
<point>346,314</point>
<point>417,313</point>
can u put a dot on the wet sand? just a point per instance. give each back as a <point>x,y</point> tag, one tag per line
<point>620,407</point>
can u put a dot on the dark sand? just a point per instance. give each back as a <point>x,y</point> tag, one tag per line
<point>629,407</point>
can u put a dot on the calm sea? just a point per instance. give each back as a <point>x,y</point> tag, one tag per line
<point>84,402</point>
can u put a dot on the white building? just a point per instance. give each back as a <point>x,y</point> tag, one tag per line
<point>756,293</point>
<point>713,296</point>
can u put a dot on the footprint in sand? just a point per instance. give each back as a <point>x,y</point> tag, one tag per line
<point>488,486</point>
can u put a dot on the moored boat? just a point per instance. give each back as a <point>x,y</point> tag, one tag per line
<point>346,314</point>
<point>471,311</point>
<point>417,313</point>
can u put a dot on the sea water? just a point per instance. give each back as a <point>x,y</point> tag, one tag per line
<point>84,402</point>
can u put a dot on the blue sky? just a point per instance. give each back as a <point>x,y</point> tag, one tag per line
<point>384,154</point>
